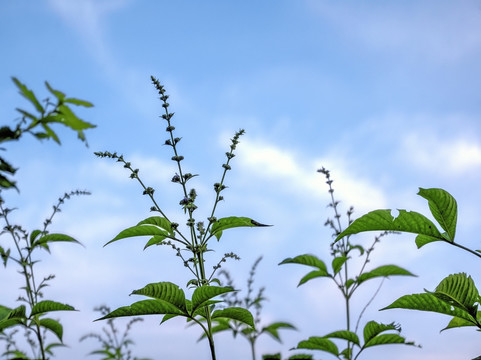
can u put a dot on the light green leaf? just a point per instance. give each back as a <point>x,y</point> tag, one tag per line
<point>165,291</point>
<point>28,94</point>
<point>155,240</point>
<point>232,222</point>
<point>144,307</point>
<point>139,230</point>
<point>383,271</point>
<point>319,343</point>
<point>273,329</point>
<point>337,263</point>
<point>78,102</point>
<point>53,325</point>
<point>158,221</point>
<point>44,240</point>
<point>48,305</point>
<point>204,293</point>
<point>235,313</point>
<point>458,322</point>
<point>444,209</point>
<point>406,221</point>
<point>58,94</point>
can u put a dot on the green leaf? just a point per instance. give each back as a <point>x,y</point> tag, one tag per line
<point>53,325</point>
<point>385,339</point>
<point>232,222</point>
<point>428,302</point>
<point>78,102</point>
<point>165,291</point>
<point>312,275</point>
<point>383,271</point>
<point>204,293</point>
<point>58,94</point>
<point>407,221</point>
<point>345,335</point>
<point>337,263</point>
<point>309,260</point>
<point>139,230</point>
<point>28,94</point>
<point>48,305</point>
<point>444,209</point>
<point>459,291</point>
<point>144,307</point>
<point>235,313</point>
<point>44,240</point>
<point>458,322</point>
<point>273,329</point>
<point>155,240</point>
<point>319,343</point>
<point>160,222</point>
<point>300,357</point>
<point>4,311</point>
<point>373,329</point>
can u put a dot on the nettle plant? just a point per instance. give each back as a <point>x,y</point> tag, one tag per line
<point>115,345</point>
<point>190,244</point>
<point>251,300</point>
<point>456,295</point>
<point>348,281</point>
<point>20,247</point>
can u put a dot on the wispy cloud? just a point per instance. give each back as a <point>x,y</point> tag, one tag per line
<point>439,31</point>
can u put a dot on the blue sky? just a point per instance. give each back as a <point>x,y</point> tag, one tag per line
<point>385,95</point>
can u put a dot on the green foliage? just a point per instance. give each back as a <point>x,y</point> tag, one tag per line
<point>39,123</point>
<point>113,346</point>
<point>166,298</point>
<point>33,315</point>
<point>250,332</point>
<point>340,273</point>
<point>456,295</point>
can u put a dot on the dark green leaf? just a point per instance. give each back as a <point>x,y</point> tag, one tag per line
<point>459,291</point>
<point>373,329</point>
<point>144,307</point>
<point>204,293</point>
<point>313,275</point>
<point>385,339</point>
<point>155,240</point>
<point>319,343</point>
<point>383,271</point>
<point>53,325</point>
<point>165,291</point>
<point>48,305</point>
<point>44,240</point>
<point>444,209</point>
<point>428,302</point>
<point>345,335</point>
<point>232,222</point>
<point>407,221</point>
<point>309,260</point>
<point>235,313</point>
<point>300,357</point>
<point>458,322</point>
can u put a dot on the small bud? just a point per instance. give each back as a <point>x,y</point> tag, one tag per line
<point>170,128</point>
<point>226,166</point>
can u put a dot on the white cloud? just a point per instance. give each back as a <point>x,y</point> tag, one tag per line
<point>440,31</point>
<point>446,157</point>
<point>297,173</point>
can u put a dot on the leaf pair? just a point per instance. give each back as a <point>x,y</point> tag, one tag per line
<point>456,295</point>
<point>443,208</point>
<point>169,300</point>
<point>374,334</point>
